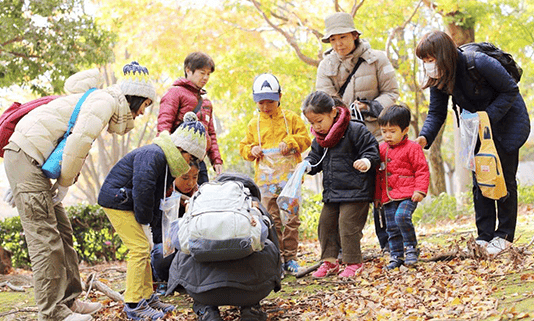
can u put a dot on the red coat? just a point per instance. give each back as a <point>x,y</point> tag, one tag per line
<point>183,97</point>
<point>405,171</point>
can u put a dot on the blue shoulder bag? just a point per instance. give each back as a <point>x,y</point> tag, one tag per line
<point>52,167</point>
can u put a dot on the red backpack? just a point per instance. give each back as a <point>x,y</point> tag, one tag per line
<point>12,115</point>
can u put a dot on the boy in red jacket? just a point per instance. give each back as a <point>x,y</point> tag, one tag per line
<point>186,95</point>
<point>401,182</point>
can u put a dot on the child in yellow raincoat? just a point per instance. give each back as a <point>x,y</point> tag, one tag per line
<point>275,140</point>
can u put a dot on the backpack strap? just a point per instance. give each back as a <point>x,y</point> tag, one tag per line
<point>472,70</point>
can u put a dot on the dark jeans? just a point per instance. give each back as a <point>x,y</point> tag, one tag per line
<point>380,226</point>
<point>487,210</point>
<point>202,173</point>
<point>400,228</point>
<point>160,264</point>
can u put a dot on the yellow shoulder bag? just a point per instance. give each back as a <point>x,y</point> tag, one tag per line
<point>488,170</point>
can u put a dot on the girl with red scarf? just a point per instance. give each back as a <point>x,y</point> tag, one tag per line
<point>347,153</point>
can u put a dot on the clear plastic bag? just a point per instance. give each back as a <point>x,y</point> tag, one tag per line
<point>274,171</point>
<point>170,208</point>
<point>291,196</point>
<point>469,123</point>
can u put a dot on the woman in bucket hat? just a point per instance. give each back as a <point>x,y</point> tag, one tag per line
<point>371,87</point>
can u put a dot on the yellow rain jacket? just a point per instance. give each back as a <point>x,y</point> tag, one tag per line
<point>283,126</point>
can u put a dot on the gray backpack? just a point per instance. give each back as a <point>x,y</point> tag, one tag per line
<point>222,224</point>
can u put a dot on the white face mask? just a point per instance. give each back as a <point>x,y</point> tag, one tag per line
<point>431,69</point>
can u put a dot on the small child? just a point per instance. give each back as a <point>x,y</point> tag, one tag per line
<point>186,95</point>
<point>186,185</point>
<point>276,128</point>
<point>130,197</point>
<point>347,153</point>
<point>402,181</point>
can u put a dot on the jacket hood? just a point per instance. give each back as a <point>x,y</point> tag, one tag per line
<point>82,81</point>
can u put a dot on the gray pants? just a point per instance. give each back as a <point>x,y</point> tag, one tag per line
<point>48,233</point>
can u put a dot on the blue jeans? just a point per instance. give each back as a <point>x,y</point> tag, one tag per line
<point>399,224</point>
<point>160,264</point>
<point>202,173</point>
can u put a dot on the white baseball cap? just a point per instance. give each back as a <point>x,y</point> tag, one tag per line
<point>266,87</point>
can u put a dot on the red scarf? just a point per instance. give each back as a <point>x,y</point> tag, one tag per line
<point>336,132</point>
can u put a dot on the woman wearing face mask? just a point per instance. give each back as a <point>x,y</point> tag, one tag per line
<point>373,82</point>
<point>498,95</point>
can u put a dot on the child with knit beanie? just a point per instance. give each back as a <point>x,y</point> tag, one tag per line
<point>130,196</point>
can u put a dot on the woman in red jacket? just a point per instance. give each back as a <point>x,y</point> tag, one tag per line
<point>402,182</point>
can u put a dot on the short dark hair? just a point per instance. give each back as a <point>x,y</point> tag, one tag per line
<point>198,60</point>
<point>395,115</point>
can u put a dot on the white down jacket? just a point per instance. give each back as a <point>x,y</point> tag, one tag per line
<point>374,79</point>
<point>38,132</point>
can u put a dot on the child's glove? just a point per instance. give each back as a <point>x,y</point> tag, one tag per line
<point>9,199</point>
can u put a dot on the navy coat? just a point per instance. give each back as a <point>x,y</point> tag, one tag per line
<point>136,183</point>
<point>341,181</point>
<point>498,95</point>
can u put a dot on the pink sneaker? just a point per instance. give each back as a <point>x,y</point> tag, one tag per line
<point>351,270</point>
<point>326,269</point>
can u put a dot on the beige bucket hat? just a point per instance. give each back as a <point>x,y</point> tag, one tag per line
<point>338,23</point>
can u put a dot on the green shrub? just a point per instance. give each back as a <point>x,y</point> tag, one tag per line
<point>94,238</point>
<point>525,194</point>
<point>309,215</point>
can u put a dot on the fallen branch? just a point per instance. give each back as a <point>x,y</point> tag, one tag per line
<point>3,314</point>
<point>115,296</point>
<point>12,287</point>
<point>306,270</point>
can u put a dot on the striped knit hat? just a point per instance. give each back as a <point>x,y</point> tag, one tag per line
<point>136,82</point>
<point>191,136</point>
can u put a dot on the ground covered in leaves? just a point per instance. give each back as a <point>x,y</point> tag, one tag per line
<point>448,284</point>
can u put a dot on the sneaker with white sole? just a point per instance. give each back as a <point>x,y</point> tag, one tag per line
<point>78,317</point>
<point>85,307</point>
<point>497,245</point>
<point>326,269</point>
<point>142,312</point>
<point>292,267</point>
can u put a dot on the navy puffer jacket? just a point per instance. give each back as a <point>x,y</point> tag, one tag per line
<point>498,95</point>
<point>136,183</point>
<point>341,182</point>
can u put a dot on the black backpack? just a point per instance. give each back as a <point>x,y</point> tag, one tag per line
<point>506,60</point>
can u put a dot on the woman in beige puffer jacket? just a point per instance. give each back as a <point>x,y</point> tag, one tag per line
<point>47,229</point>
<point>373,83</point>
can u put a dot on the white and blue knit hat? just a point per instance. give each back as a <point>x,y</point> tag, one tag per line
<point>136,82</point>
<point>191,136</point>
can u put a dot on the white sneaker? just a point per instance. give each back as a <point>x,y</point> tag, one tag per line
<point>78,317</point>
<point>497,245</point>
<point>85,307</point>
<point>482,243</point>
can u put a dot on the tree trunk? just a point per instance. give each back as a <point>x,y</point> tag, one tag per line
<point>437,171</point>
<point>461,35</point>
<point>5,261</point>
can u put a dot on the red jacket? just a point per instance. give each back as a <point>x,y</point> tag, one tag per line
<point>405,171</point>
<point>183,97</point>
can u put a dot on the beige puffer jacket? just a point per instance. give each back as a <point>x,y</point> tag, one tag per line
<point>38,132</point>
<point>374,79</point>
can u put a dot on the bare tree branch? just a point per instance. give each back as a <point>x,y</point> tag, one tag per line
<point>290,39</point>
<point>356,7</point>
<point>400,28</point>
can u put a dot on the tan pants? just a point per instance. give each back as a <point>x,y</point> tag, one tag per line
<point>48,233</point>
<point>288,236</point>
<point>138,269</point>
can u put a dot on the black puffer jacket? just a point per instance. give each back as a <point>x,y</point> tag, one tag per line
<point>341,181</point>
<point>136,183</point>
<point>498,95</point>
